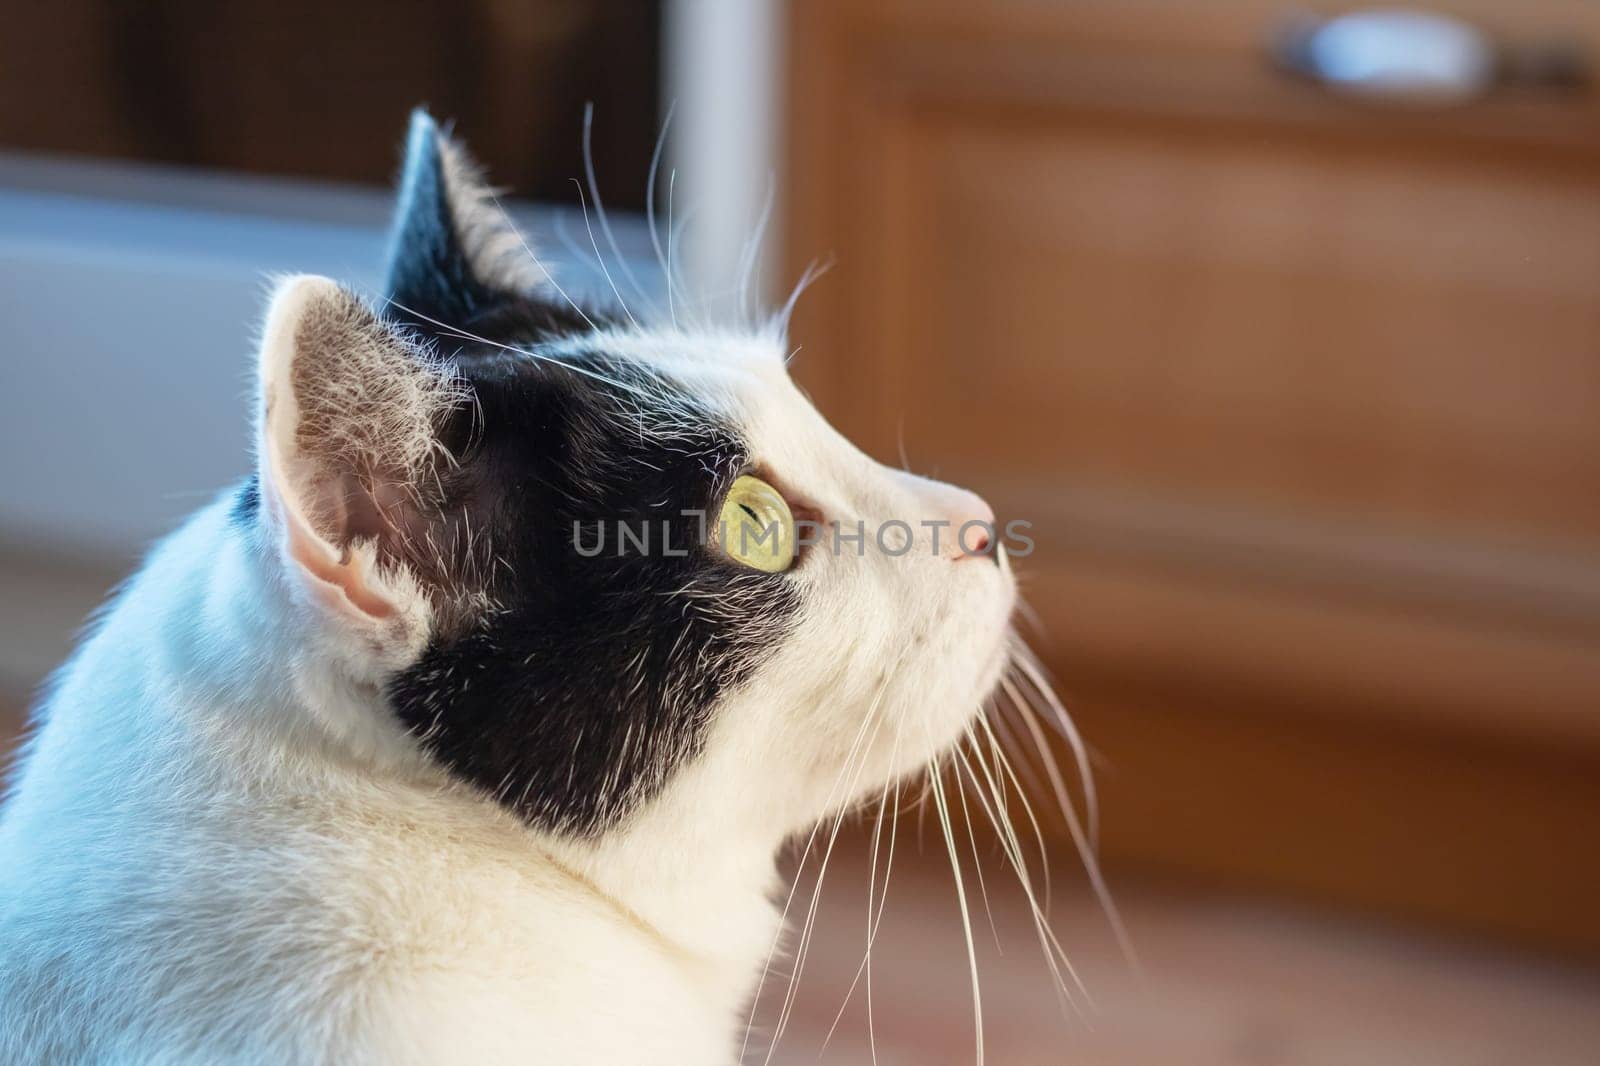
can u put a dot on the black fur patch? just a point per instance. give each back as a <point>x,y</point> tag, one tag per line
<point>588,680</point>
<point>430,280</point>
<point>429,274</point>
<point>246,502</point>
<point>592,678</point>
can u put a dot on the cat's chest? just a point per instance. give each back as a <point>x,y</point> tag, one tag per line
<point>497,957</point>
<point>395,926</point>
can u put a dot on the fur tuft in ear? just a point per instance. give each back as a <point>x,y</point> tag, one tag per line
<point>454,252</point>
<point>349,445</point>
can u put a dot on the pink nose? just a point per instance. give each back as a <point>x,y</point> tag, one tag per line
<point>971,533</point>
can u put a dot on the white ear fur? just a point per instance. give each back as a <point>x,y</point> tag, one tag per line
<point>348,426</point>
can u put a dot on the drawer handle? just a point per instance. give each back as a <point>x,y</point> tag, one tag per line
<point>1417,58</point>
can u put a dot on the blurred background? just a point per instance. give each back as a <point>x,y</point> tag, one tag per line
<point>1281,323</point>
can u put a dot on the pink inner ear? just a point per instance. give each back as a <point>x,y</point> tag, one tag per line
<point>349,413</point>
<point>331,574</point>
<point>342,574</point>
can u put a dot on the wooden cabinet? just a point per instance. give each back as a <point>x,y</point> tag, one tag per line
<point>1302,396</point>
<point>250,86</point>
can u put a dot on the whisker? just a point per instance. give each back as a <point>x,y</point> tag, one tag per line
<point>1046,755</point>
<point>1009,739</point>
<point>1005,770</point>
<point>675,236</point>
<point>1023,656</point>
<point>833,791</point>
<point>463,334</point>
<point>559,224</point>
<point>961,896</point>
<point>972,839</point>
<point>750,254</point>
<point>808,277</point>
<point>872,938</point>
<point>874,919</point>
<point>1048,941</point>
<point>650,189</point>
<point>600,259</point>
<point>599,205</point>
<point>672,305</point>
<point>1085,843</point>
<point>548,276</point>
<point>803,950</point>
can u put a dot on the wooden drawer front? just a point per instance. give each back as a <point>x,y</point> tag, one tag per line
<point>1404,341</point>
<point>1302,397</point>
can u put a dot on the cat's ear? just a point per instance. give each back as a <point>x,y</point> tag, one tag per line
<point>349,448</point>
<point>453,251</point>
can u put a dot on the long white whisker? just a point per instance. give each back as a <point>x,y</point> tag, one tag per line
<point>600,259</point>
<point>751,252</point>
<point>1011,848</point>
<point>675,240</point>
<point>1051,946</point>
<point>872,938</point>
<point>560,225</point>
<point>1007,771</point>
<point>650,186</point>
<point>462,334</point>
<point>966,917</point>
<point>1023,656</point>
<point>833,791</point>
<point>599,205</point>
<point>1047,758</point>
<point>804,947</point>
<point>808,277</point>
<point>1013,743</point>
<point>672,303</point>
<point>772,950</point>
<point>1087,850</point>
<point>548,276</point>
<point>972,840</point>
<point>874,915</point>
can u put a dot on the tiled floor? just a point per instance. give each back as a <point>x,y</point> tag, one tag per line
<point>1222,983</point>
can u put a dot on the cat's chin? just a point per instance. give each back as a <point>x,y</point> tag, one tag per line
<point>1001,636</point>
<point>933,729</point>
<point>989,676</point>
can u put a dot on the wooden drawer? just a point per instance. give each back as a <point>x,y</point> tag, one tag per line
<point>1231,327</point>
<point>1302,396</point>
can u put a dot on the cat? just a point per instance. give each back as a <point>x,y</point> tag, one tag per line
<point>376,760</point>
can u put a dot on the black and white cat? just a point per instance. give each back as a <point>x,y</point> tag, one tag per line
<point>378,761</point>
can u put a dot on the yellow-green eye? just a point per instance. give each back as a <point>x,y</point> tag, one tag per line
<point>756,527</point>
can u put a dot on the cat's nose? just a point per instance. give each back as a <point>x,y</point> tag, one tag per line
<point>957,523</point>
<point>971,533</point>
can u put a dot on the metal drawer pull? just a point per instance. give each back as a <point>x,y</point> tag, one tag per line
<point>1416,58</point>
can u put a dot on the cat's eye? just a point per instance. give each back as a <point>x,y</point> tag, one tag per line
<point>756,526</point>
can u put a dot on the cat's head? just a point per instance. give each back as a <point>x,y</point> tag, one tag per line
<point>507,514</point>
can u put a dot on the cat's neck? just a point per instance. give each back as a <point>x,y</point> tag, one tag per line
<point>696,869</point>
<point>693,868</point>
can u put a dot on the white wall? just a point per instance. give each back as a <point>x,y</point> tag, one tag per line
<point>129,298</point>
<point>724,73</point>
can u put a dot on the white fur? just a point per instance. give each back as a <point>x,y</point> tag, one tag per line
<point>223,849</point>
<point>491,242</point>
